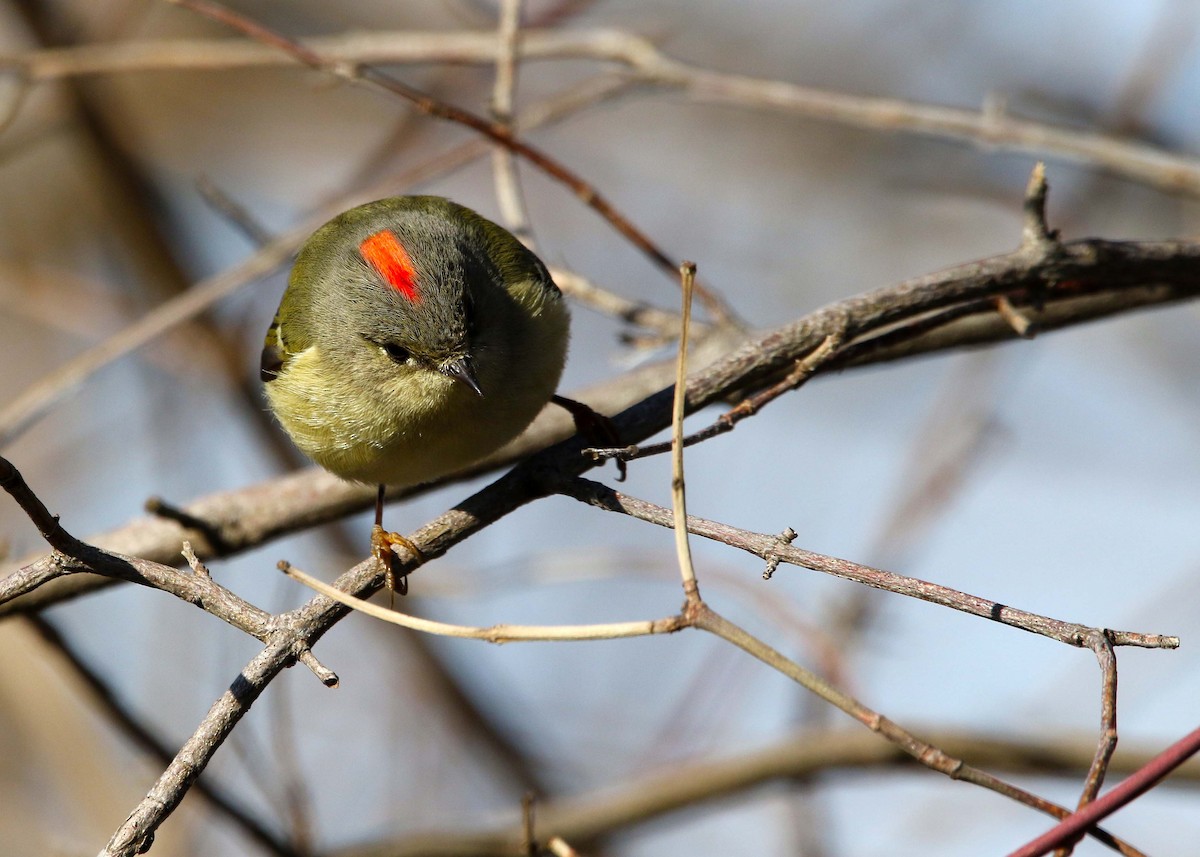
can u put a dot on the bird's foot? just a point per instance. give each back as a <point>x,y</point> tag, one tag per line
<point>593,426</point>
<point>382,544</point>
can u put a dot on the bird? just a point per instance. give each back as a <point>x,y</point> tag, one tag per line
<point>414,338</point>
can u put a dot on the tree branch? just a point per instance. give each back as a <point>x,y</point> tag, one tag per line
<point>989,128</point>
<point>1078,282</point>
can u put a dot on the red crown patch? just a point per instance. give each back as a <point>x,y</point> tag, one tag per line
<point>384,252</point>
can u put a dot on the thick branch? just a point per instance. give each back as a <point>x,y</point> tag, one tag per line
<point>1079,281</point>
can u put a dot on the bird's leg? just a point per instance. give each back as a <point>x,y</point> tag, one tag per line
<point>382,543</point>
<point>596,428</point>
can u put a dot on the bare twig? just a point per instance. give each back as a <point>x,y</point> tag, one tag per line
<point>1036,234</point>
<point>665,325</point>
<point>504,163</point>
<point>494,633</point>
<point>927,754</point>
<point>987,128</point>
<point>683,551</point>
<point>559,847</point>
<point>771,548</point>
<point>366,578</point>
<point>71,556</point>
<point>1099,643</point>
<point>233,212</point>
<point>805,368</point>
<point>1019,322</point>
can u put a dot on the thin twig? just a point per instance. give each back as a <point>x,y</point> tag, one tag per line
<point>927,754</point>
<point>72,556</point>
<point>1099,643</point>
<point>559,847</point>
<point>989,129</point>
<point>495,633</point>
<point>804,370</point>
<point>1036,233</point>
<point>233,212</point>
<point>683,551</point>
<point>504,164</point>
<point>665,325</point>
<point>771,548</point>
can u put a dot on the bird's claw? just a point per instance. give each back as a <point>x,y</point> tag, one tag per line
<point>382,548</point>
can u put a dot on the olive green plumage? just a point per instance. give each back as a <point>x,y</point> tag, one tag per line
<point>380,387</point>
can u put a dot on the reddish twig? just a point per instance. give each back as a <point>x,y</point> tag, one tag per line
<point>1132,788</point>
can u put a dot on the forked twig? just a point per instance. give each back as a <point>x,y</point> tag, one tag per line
<point>1130,789</point>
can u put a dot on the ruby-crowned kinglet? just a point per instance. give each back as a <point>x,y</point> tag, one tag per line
<point>414,338</point>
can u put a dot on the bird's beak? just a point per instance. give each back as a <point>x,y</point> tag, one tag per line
<point>460,368</point>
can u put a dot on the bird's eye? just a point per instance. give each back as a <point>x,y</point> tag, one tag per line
<point>398,353</point>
